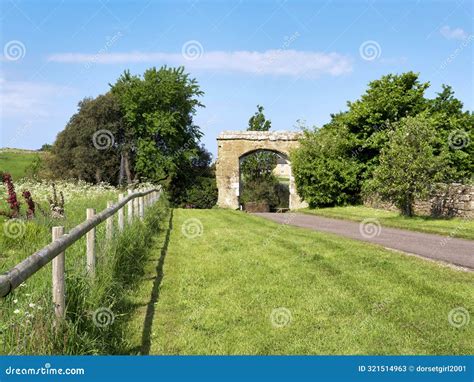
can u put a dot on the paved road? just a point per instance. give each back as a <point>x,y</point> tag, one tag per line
<point>442,248</point>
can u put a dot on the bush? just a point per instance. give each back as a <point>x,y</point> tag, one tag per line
<point>408,166</point>
<point>203,194</point>
<point>324,174</point>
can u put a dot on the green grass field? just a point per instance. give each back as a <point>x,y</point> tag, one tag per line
<point>224,282</point>
<point>454,227</point>
<point>18,162</point>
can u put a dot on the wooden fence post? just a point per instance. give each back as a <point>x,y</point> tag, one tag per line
<point>109,225</point>
<point>59,268</point>
<point>90,245</point>
<point>141,205</point>
<point>136,211</point>
<point>130,209</point>
<point>120,214</point>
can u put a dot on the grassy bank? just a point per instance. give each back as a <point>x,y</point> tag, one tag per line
<point>19,163</point>
<point>454,227</point>
<point>97,311</point>
<point>231,283</point>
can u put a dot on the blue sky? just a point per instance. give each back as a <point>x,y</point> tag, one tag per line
<point>300,59</point>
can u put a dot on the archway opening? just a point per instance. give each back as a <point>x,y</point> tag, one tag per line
<point>264,181</point>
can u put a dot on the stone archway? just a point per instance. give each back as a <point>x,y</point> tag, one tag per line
<point>232,145</point>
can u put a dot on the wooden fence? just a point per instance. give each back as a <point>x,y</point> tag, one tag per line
<point>55,252</point>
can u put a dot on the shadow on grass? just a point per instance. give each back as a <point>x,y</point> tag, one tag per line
<point>155,293</point>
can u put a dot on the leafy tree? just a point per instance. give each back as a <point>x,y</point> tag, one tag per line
<point>386,100</point>
<point>256,169</point>
<point>158,114</point>
<point>46,147</point>
<point>408,164</point>
<point>202,194</point>
<point>258,122</point>
<point>325,174</point>
<point>361,132</point>
<point>195,180</point>
<point>259,165</point>
<point>454,129</point>
<point>74,152</point>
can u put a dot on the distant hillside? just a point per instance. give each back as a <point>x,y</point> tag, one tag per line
<point>20,163</point>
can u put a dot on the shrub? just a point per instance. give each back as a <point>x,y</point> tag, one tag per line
<point>203,194</point>
<point>324,174</point>
<point>408,166</point>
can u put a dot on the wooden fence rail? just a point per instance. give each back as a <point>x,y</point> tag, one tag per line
<point>25,269</point>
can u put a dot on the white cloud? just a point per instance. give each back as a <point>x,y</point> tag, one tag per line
<point>29,99</point>
<point>273,62</point>
<point>453,34</point>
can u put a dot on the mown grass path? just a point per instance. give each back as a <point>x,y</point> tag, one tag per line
<point>224,282</point>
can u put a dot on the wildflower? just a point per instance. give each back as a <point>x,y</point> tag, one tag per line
<point>31,305</point>
<point>16,311</point>
<point>15,301</point>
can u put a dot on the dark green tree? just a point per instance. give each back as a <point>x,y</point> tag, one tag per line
<point>86,149</point>
<point>360,133</point>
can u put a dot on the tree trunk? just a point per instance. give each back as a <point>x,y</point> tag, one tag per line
<point>127,167</point>
<point>408,207</point>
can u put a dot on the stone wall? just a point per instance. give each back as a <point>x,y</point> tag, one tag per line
<point>446,200</point>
